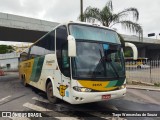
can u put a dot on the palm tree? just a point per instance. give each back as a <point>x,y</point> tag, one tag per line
<point>6,49</point>
<point>108,18</point>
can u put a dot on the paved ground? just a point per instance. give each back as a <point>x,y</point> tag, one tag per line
<point>15,97</point>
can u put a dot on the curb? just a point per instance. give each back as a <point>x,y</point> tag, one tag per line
<point>134,82</point>
<point>143,88</point>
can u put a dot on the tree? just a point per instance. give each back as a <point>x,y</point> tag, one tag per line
<point>6,49</point>
<point>108,18</point>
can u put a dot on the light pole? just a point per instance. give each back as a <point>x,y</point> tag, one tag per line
<point>81,9</point>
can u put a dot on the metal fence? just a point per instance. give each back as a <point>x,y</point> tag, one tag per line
<point>143,72</point>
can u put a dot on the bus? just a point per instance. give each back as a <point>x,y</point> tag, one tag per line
<point>76,62</point>
<point>139,63</point>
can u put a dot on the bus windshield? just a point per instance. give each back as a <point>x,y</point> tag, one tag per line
<point>84,32</point>
<point>99,54</point>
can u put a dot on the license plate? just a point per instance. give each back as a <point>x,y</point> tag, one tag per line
<point>106,97</point>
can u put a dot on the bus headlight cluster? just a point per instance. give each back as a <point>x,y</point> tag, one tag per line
<point>123,86</point>
<point>81,89</point>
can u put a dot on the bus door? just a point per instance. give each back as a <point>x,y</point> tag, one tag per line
<point>63,62</point>
<point>66,81</point>
<point>57,82</point>
<point>63,81</point>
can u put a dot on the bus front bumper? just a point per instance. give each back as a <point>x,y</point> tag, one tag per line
<point>87,97</point>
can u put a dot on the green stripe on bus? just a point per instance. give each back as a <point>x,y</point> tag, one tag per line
<point>37,68</point>
<point>112,83</point>
<point>120,82</point>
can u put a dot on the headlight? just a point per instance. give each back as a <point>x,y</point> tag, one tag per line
<point>123,86</point>
<point>81,89</point>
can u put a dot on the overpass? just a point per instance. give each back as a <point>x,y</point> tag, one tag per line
<point>147,47</point>
<point>24,29</point>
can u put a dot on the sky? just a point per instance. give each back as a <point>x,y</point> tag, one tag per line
<point>66,10</point>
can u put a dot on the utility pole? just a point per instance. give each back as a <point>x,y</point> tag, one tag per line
<point>81,9</point>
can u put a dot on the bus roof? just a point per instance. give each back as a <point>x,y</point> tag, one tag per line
<point>85,23</point>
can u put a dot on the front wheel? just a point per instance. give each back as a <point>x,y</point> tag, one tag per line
<point>49,92</point>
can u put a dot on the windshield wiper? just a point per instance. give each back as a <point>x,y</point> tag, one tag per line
<point>114,69</point>
<point>100,61</point>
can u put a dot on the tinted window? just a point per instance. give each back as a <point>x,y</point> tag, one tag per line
<point>93,33</point>
<point>44,46</point>
<point>62,50</point>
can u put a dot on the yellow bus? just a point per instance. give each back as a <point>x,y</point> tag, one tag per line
<point>139,63</point>
<point>76,62</point>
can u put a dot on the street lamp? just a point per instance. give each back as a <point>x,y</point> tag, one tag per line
<point>153,34</point>
<point>81,9</point>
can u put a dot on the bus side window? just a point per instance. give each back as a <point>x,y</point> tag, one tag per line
<point>44,46</point>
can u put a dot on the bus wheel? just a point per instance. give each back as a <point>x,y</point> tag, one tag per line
<point>49,92</point>
<point>24,81</point>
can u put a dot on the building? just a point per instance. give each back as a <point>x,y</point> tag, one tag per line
<point>9,62</point>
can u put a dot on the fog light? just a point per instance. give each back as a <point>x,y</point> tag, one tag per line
<point>76,98</point>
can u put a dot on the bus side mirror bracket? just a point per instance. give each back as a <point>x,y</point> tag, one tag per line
<point>71,46</point>
<point>134,48</point>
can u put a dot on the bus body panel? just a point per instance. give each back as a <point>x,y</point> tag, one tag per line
<point>87,97</point>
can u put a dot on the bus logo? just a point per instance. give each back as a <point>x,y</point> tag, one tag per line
<point>62,89</point>
<point>96,85</point>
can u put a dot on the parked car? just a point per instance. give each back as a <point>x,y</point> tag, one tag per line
<point>1,72</point>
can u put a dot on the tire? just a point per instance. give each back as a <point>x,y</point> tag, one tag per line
<point>139,67</point>
<point>24,81</point>
<point>49,92</point>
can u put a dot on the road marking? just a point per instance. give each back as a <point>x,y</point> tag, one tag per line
<point>51,113</point>
<point>40,99</point>
<point>5,98</point>
<point>35,107</point>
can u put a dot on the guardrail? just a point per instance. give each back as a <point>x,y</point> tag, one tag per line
<point>143,72</point>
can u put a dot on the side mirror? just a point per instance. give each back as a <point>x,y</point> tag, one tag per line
<point>71,46</point>
<point>134,48</point>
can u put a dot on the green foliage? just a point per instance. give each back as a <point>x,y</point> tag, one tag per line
<point>108,18</point>
<point>6,49</point>
<point>127,53</point>
<point>157,84</point>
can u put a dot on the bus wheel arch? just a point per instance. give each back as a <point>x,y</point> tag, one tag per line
<point>49,91</point>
